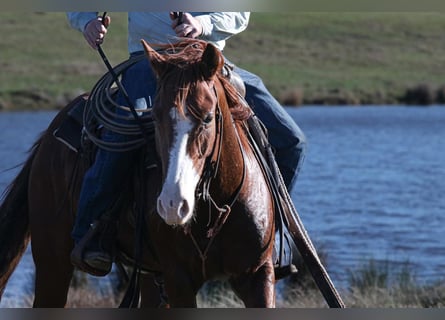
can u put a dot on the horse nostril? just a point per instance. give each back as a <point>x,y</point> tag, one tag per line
<point>184,209</point>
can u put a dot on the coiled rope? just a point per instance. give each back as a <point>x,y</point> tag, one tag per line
<point>102,112</point>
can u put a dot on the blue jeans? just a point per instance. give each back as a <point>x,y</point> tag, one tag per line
<point>285,135</point>
<point>103,180</point>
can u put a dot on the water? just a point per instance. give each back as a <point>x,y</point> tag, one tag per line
<point>371,187</point>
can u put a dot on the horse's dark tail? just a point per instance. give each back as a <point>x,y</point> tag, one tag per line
<point>14,221</point>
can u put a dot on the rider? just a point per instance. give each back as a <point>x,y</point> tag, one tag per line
<point>102,182</point>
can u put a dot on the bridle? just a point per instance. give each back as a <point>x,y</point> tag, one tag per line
<point>210,171</point>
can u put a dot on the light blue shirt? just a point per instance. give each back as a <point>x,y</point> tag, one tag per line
<point>155,27</point>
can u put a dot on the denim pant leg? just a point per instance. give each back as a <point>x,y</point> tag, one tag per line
<point>285,135</point>
<point>103,181</point>
<point>101,185</point>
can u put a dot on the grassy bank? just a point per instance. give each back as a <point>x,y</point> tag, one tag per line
<point>371,286</point>
<point>310,58</point>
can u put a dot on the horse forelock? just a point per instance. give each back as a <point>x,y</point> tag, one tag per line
<point>183,70</point>
<point>185,54</point>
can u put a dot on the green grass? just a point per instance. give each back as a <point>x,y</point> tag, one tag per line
<point>361,53</point>
<point>41,53</point>
<point>369,57</point>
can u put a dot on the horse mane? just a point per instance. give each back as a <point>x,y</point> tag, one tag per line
<point>185,69</point>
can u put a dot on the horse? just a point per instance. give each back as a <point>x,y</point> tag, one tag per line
<point>209,209</point>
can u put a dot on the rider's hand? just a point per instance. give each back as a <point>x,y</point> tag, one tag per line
<point>190,26</point>
<point>95,31</point>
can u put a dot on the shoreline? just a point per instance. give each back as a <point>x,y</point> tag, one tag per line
<point>28,100</point>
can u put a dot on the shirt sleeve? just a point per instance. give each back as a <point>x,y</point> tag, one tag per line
<point>78,20</point>
<point>217,26</point>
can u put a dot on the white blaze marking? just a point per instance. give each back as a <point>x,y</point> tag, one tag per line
<point>177,199</point>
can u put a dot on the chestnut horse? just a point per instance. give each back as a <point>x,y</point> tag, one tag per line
<point>209,212</point>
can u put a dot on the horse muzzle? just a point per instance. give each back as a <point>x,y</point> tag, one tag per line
<point>175,211</point>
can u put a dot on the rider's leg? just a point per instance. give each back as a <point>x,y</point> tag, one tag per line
<point>101,185</point>
<point>103,181</point>
<point>285,135</point>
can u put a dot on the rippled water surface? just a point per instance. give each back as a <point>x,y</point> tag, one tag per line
<point>372,186</point>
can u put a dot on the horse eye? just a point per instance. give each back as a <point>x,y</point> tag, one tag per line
<point>208,118</point>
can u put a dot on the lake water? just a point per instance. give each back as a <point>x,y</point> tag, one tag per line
<point>371,187</point>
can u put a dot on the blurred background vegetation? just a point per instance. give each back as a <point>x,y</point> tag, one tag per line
<point>304,58</point>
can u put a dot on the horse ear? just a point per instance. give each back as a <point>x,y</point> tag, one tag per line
<point>156,60</point>
<point>211,61</point>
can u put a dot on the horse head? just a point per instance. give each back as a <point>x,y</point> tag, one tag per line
<point>185,111</point>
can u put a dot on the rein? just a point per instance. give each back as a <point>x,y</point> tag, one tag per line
<point>145,130</point>
<point>203,191</point>
<point>138,120</point>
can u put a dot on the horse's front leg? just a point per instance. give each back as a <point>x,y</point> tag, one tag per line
<point>256,290</point>
<point>181,290</point>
